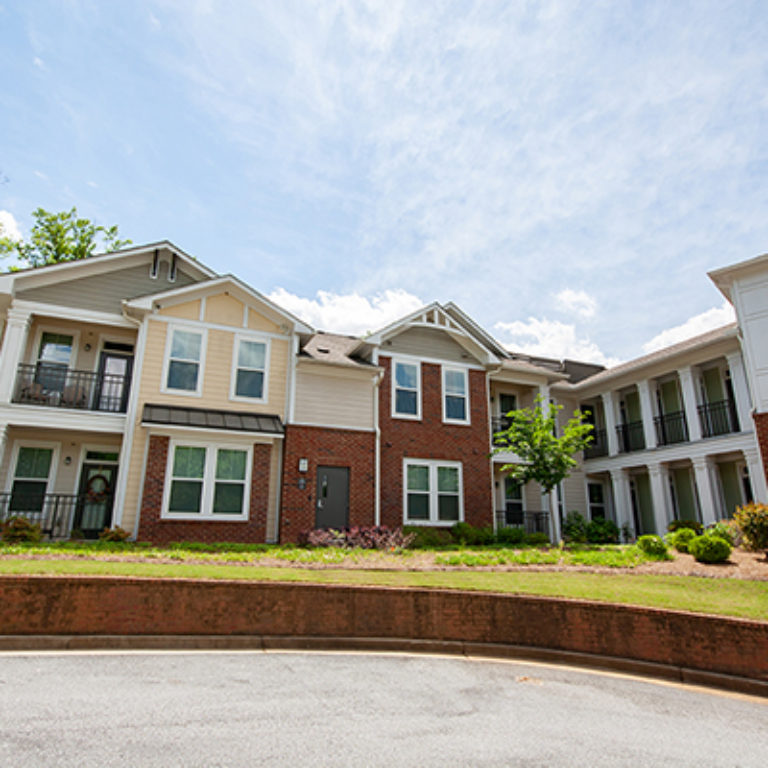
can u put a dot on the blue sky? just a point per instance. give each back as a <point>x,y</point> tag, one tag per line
<point>565,172</point>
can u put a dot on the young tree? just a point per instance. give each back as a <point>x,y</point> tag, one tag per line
<point>58,237</point>
<point>545,457</point>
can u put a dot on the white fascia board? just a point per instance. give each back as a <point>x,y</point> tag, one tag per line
<point>485,338</point>
<point>724,277</point>
<point>340,370</point>
<point>393,328</point>
<point>234,434</point>
<point>62,312</point>
<point>62,418</point>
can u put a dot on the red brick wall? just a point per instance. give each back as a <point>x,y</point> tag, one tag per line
<point>53,605</point>
<point>761,430</point>
<point>430,438</point>
<point>152,528</point>
<point>332,448</point>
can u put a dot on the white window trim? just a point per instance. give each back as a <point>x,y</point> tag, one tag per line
<point>503,494</point>
<point>433,465</point>
<point>239,337</point>
<point>209,482</point>
<point>417,365</point>
<point>41,329</point>
<point>465,371</point>
<point>52,472</point>
<point>203,333</point>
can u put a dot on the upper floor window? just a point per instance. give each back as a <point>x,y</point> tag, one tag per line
<point>455,395</point>
<point>249,377</point>
<point>184,360</point>
<point>53,360</point>
<point>406,390</point>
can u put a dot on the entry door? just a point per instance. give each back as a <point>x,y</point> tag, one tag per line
<point>114,381</point>
<point>332,509</point>
<point>94,505</point>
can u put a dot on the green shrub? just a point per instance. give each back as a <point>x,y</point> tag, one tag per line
<point>677,525</point>
<point>710,549</point>
<point>18,530</point>
<point>600,531</point>
<point>752,522</point>
<point>653,546</point>
<point>537,539</point>
<point>468,535</point>
<point>428,538</point>
<point>724,529</point>
<point>681,538</point>
<point>510,536</point>
<point>114,534</point>
<point>575,528</point>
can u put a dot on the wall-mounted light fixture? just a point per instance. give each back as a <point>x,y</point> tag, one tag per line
<point>67,460</point>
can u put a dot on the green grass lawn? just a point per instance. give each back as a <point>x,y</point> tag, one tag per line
<point>727,597</point>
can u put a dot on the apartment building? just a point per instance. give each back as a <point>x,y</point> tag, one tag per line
<point>141,389</point>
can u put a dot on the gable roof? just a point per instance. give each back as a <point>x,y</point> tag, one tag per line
<point>334,349</point>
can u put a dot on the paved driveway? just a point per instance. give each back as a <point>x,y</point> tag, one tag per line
<point>324,709</point>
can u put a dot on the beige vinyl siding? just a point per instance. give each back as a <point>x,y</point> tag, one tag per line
<point>105,292</point>
<point>135,468</point>
<point>70,444</point>
<point>82,359</point>
<point>189,310</point>
<point>257,322</point>
<point>575,494</point>
<point>328,399</point>
<point>428,343</point>
<point>534,501</point>
<point>224,310</point>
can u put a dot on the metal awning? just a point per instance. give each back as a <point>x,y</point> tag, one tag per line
<point>206,418</point>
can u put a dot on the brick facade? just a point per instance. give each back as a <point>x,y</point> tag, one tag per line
<point>153,528</point>
<point>430,438</point>
<point>323,446</point>
<point>761,432</point>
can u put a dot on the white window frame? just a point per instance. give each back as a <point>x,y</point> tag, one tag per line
<point>395,414</point>
<point>238,339</point>
<point>52,471</point>
<point>209,481</point>
<point>41,329</point>
<point>432,465</point>
<point>203,333</point>
<point>465,372</point>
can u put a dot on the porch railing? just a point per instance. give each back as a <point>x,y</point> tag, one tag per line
<point>53,385</point>
<point>498,424</point>
<point>718,418</point>
<point>631,437</point>
<point>533,521</point>
<point>57,513</point>
<point>671,428</point>
<point>599,445</point>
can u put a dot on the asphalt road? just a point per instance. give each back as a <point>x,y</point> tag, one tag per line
<point>325,709</point>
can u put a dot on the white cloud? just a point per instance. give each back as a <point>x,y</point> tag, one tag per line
<point>551,338</point>
<point>38,62</point>
<point>351,312</point>
<point>8,226</point>
<point>576,302</point>
<point>706,321</point>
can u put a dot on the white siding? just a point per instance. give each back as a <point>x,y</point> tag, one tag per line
<point>326,399</point>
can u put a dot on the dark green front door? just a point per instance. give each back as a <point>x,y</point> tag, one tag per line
<point>93,512</point>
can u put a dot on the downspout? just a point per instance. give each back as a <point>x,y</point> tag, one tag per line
<point>290,397</point>
<point>377,458</point>
<point>488,375</point>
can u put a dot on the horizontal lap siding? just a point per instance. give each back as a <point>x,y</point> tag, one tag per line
<point>329,400</point>
<point>428,343</point>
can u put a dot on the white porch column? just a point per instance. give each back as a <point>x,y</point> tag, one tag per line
<point>544,392</point>
<point>554,516</point>
<point>646,412</point>
<point>690,403</point>
<point>756,475</point>
<point>741,391</point>
<point>703,468</point>
<point>622,499</point>
<point>3,440</point>
<point>609,414</point>
<point>16,328</point>
<point>659,492</point>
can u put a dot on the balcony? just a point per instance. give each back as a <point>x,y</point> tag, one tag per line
<point>58,514</point>
<point>58,387</point>
<point>671,428</point>
<point>531,521</point>
<point>499,424</point>
<point>718,418</point>
<point>599,445</point>
<point>631,437</point>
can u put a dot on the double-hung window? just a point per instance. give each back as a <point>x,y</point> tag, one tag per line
<point>433,492</point>
<point>184,360</point>
<point>249,376</point>
<point>207,482</point>
<point>406,390</point>
<point>30,479</point>
<point>455,395</point>
<point>54,357</point>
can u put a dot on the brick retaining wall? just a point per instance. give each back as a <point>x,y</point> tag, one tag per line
<point>43,605</point>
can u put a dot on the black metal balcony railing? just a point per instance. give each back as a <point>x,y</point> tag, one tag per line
<point>533,521</point>
<point>631,436</point>
<point>57,513</point>
<point>499,424</point>
<point>599,445</point>
<point>718,418</point>
<point>671,428</point>
<point>53,385</point>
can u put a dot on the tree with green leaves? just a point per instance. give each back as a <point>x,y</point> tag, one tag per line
<point>544,456</point>
<point>58,237</point>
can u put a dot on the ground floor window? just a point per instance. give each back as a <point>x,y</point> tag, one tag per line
<point>514,507</point>
<point>596,501</point>
<point>30,479</point>
<point>433,492</point>
<point>207,482</point>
